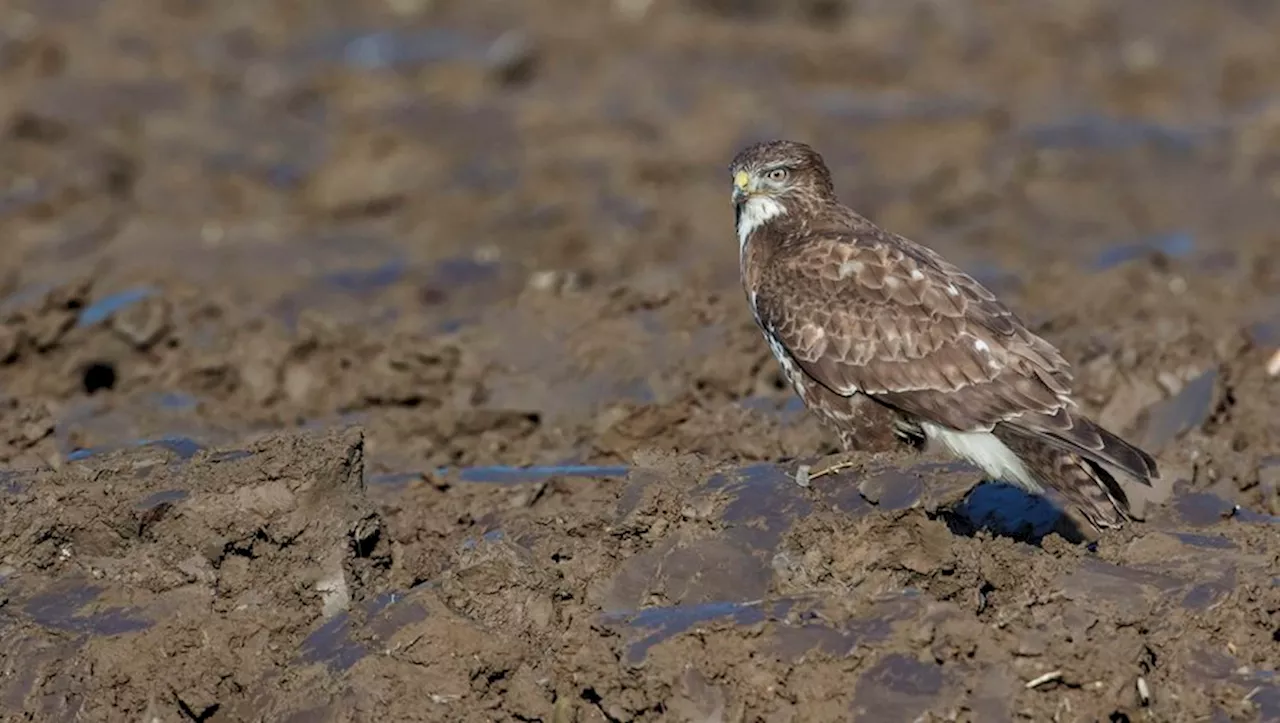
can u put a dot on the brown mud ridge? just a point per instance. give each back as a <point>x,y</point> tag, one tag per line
<point>387,361</point>
<point>302,575</point>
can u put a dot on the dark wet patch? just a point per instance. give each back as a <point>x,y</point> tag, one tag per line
<point>1205,541</point>
<point>1168,419</point>
<point>503,474</point>
<point>892,489</point>
<point>177,401</point>
<point>1201,509</point>
<point>395,49</point>
<point>1100,133</point>
<point>23,297</point>
<point>897,687</point>
<point>1174,245</point>
<point>1265,333</point>
<point>231,455</point>
<point>758,503</point>
<point>659,624</point>
<point>869,108</point>
<point>813,632</point>
<point>100,310</point>
<point>393,481</point>
<point>349,637</point>
<point>361,281</point>
<point>13,481</point>
<point>491,536</point>
<point>1262,686</point>
<point>765,501</point>
<point>60,608</point>
<point>1098,580</point>
<point>1206,595</point>
<point>163,497</point>
<point>453,273</point>
<point>184,447</point>
<point>786,409</point>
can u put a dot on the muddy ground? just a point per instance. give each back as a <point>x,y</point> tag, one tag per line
<point>386,361</point>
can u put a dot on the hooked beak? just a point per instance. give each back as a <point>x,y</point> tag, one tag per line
<point>742,187</point>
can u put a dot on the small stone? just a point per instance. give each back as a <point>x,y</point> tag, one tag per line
<point>512,58</point>
<point>1169,382</point>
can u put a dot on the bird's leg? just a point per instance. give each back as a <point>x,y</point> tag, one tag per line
<point>805,474</point>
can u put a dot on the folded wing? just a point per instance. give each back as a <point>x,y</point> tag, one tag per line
<point>877,314</point>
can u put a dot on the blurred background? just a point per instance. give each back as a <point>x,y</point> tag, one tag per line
<point>231,216</point>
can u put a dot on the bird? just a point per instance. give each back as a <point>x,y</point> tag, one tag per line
<point>872,329</point>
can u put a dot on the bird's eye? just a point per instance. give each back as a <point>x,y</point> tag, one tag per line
<point>776,174</point>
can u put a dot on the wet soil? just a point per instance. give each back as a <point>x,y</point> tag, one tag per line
<point>387,361</point>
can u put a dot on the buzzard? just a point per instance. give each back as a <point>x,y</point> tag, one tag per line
<point>866,324</point>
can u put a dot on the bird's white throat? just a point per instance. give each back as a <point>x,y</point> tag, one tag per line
<point>756,212</point>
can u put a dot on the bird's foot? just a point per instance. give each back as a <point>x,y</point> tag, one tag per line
<point>806,475</point>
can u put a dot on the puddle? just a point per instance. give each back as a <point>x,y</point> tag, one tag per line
<point>1168,419</point>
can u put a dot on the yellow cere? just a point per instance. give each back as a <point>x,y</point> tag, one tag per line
<point>740,180</point>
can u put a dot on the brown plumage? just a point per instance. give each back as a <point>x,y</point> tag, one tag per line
<point>854,313</point>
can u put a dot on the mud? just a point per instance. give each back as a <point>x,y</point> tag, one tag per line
<point>387,361</point>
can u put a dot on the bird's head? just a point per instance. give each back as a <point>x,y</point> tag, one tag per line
<point>777,178</point>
